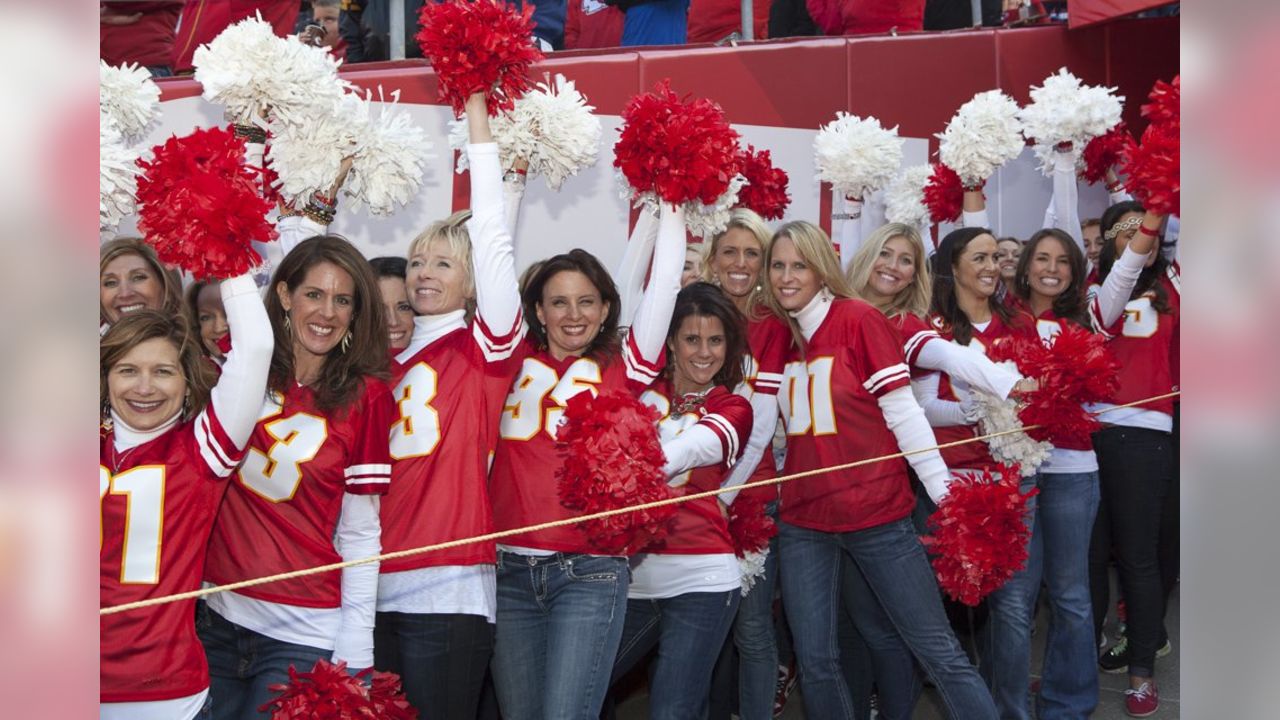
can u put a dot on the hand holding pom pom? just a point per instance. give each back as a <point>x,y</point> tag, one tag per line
<point>479,46</point>
<point>1154,167</point>
<point>200,207</point>
<point>613,459</point>
<point>983,135</point>
<point>766,188</point>
<point>944,194</point>
<point>856,155</point>
<point>1105,152</point>
<point>980,534</point>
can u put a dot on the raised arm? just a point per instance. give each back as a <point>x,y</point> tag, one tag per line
<point>635,264</point>
<point>499,325</point>
<point>237,398</point>
<point>1108,303</point>
<point>1066,195</point>
<point>975,208</point>
<point>653,312</point>
<point>850,230</point>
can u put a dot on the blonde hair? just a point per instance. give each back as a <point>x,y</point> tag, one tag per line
<point>170,282</point>
<point>453,230</point>
<point>814,246</point>
<point>914,298</point>
<point>749,220</point>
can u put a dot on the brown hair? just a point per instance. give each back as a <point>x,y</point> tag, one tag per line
<point>702,299</point>
<point>138,327</point>
<point>945,305</point>
<point>170,282</point>
<point>1070,304</point>
<point>342,377</point>
<point>605,343</point>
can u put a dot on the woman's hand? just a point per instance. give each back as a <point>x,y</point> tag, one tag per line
<point>1023,387</point>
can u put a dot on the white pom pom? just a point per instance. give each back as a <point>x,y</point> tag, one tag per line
<point>904,200</point>
<point>248,68</point>
<point>554,129</point>
<point>390,161</point>
<point>500,126</point>
<point>131,99</point>
<point>751,565</point>
<point>983,135</point>
<point>307,154</point>
<point>1001,414</point>
<point>856,155</point>
<point>707,221</point>
<point>1064,110</point>
<point>117,176</point>
<point>458,139</point>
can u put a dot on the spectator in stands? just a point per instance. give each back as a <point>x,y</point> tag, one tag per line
<point>139,32</point>
<point>857,17</point>
<point>320,28</point>
<point>203,21</point>
<point>592,24</point>
<point>955,14</point>
<point>790,18</point>
<point>653,22</point>
<point>712,21</point>
<point>366,28</point>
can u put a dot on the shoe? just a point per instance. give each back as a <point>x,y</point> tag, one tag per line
<point>1116,660</point>
<point>787,677</point>
<point>1102,641</point>
<point>1165,649</point>
<point>1142,701</point>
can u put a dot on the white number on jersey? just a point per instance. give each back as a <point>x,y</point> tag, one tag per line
<point>806,397</point>
<point>522,415</point>
<point>417,432</point>
<point>143,488</point>
<point>1140,319</point>
<point>275,474</point>
<point>670,428</point>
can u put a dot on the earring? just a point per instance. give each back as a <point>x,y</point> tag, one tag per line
<point>186,405</point>
<point>346,341</point>
<point>288,325</point>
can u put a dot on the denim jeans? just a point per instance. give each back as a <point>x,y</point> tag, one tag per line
<point>689,631</point>
<point>560,620</point>
<point>757,643</point>
<point>243,665</point>
<point>441,660</point>
<point>1061,523</point>
<point>857,658</point>
<point>898,577</point>
<point>1135,469</point>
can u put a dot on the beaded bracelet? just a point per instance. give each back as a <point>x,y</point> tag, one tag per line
<point>251,133</point>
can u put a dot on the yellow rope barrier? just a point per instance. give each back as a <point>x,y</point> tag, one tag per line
<point>569,521</point>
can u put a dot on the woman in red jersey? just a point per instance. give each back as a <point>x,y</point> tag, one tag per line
<point>167,447</point>
<point>436,611</point>
<point>560,606</point>
<point>1137,307</point>
<point>847,397</point>
<point>685,593</point>
<point>131,278</point>
<point>735,261</point>
<point>307,493</point>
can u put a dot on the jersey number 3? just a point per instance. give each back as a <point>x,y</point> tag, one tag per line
<point>276,474</point>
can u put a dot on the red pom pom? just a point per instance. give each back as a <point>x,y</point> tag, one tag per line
<point>328,691</point>
<point>199,205</point>
<point>1106,151</point>
<point>1165,107</point>
<point>1075,368</point>
<point>766,190</point>
<point>1154,169</point>
<point>680,151</point>
<point>613,459</point>
<point>479,46</point>
<point>749,525</point>
<point>944,194</point>
<point>980,537</point>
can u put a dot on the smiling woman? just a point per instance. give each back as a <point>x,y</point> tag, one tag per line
<point>131,278</point>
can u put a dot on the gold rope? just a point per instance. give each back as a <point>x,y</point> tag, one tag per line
<point>569,521</point>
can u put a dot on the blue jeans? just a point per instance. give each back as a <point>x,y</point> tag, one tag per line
<point>689,631</point>
<point>898,577</point>
<point>560,620</point>
<point>757,644</point>
<point>1061,523</point>
<point>441,660</point>
<point>243,665</point>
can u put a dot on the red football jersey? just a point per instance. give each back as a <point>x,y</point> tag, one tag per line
<point>281,512</point>
<point>833,418</point>
<point>700,528</point>
<point>158,501</point>
<point>974,455</point>
<point>522,484</point>
<point>448,396</point>
<point>915,334</point>
<point>769,341</point>
<point>1144,342</point>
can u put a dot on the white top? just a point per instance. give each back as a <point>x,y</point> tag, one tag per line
<point>183,708</point>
